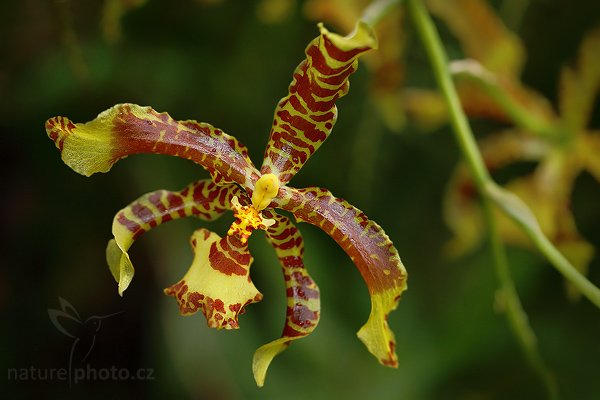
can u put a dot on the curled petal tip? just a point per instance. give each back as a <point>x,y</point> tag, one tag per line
<point>86,148</point>
<point>120,265</point>
<point>362,37</point>
<point>58,129</point>
<point>371,251</point>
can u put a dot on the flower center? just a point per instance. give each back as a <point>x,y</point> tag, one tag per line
<point>247,219</point>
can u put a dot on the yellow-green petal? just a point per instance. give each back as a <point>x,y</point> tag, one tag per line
<point>371,251</point>
<point>127,129</point>
<point>304,118</point>
<point>303,298</point>
<point>203,199</point>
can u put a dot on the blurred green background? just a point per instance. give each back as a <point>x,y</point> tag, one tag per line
<point>222,64</point>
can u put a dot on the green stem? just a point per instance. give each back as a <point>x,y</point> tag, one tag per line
<point>515,314</point>
<point>513,207</point>
<point>508,300</point>
<point>458,120</point>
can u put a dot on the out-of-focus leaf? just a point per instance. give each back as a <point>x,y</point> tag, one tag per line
<point>590,149</point>
<point>461,206</point>
<point>425,108</point>
<point>579,85</point>
<point>482,34</point>
<point>502,97</point>
<point>113,12</point>
<point>274,11</point>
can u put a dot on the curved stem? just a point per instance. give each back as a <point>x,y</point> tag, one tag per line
<point>458,120</point>
<point>510,204</point>
<point>508,300</point>
<point>515,314</point>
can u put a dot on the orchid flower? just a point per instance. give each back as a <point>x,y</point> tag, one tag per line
<point>218,281</point>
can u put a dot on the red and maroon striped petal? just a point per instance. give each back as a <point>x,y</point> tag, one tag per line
<point>371,251</point>
<point>303,298</point>
<point>304,118</point>
<point>127,129</point>
<point>203,199</point>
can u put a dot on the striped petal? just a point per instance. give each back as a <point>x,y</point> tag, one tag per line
<point>303,299</point>
<point>218,282</point>
<point>304,118</point>
<point>127,129</point>
<point>386,65</point>
<point>203,199</point>
<point>371,251</point>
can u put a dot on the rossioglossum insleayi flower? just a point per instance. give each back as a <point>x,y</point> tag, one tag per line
<point>218,281</point>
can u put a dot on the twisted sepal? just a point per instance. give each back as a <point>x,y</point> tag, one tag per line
<point>304,118</point>
<point>127,129</point>
<point>303,299</point>
<point>218,282</point>
<point>371,251</point>
<point>203,199</point>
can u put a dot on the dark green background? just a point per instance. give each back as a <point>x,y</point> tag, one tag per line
<point>221,65</point>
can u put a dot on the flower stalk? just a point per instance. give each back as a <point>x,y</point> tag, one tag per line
<point>509,297</point>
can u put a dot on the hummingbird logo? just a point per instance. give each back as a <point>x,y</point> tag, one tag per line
<point>83,331</point>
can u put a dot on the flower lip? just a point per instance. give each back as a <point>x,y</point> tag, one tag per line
<point>218,281</point>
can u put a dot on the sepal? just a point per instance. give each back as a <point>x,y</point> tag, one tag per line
<point>371,251</point>
<point>304,118</point>
<point>303,297</point>
<point>203,199</point>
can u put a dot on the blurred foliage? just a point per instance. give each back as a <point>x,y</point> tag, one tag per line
<point>222,63</point>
